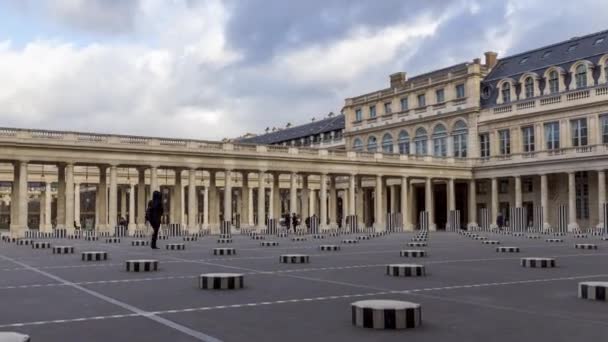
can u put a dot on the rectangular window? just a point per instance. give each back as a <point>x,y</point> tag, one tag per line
<point>484,145</point>
<point>421,100</point>
<point>388,108</point>
<point>581,182</point>
<point>440,94</point>
<point>527,134</point>
<point>503,186</point>
<point>604,128</point>
<point>460,91</point>
<point>404,104</point>
<point>504,137</point>
<point>527,185</point>
<point>460,145</point>
<point>358,115</point>
<point>579,132</point>
<point>372,112</point>
<point>552,135</point>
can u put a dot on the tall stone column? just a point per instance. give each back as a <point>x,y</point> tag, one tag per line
<point>132,225</point>
<point>261,201</point>
<point>451,196</point>
<point>293,194</point>
<point>153,180</point>
<point>41,212</point>
<point>113,205</point>
<point>276,196</point>
<point>429,203</point>
<point>304,198</point>
<point>249,197</point>
<point>345,205</point>
<point>19,200</point>
<point>192,207</point>
<point>48,200</point>
<point>544,200</point>
<point>60,217</point>
<point>102,198</point>
<point>405,211</point>
<point>351,194</point>
<point>472,204</point>
<point>379,216</point>
<point>69,198</point>
<point>77,204</point>
<point>333,203</point>
<point>141,198</point>
<point>494,203</point>
<point>518,198</point>
<point>312,202</point>
<point>214,203</point>
<point>359,202</point>
<point>123,202</point>
<point>323,200</point>
<point>178,194</point>
<point>573,224</point>
<point>206,208</point>
<point>601,196</point>
<point>227,196</point>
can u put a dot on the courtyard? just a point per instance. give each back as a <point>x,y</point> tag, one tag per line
<point>470,292</point>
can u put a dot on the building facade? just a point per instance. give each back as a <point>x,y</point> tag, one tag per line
<point>520,141</point>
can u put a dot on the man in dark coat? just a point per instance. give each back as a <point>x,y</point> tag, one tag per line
<point>154,214</point>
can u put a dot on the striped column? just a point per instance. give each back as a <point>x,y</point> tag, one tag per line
<point>538,218</point>
<point>484,219</point>
<point>562,219</point>
<point>453,221</point>
<point>424,220</point>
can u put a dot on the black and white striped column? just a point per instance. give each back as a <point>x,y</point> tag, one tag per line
<point>224,251</point>
<point>593,290</point>
<point>386,314</point>
<point>221,281</point>
<point>538,262</point>
<point>405,270</point>
<point>424,220</point>
<point>141,265</point>
<point>63,250</point>
<point>562,219</point>
<point>94,256</point>
<point>294,259</point>
<point>453,221</point>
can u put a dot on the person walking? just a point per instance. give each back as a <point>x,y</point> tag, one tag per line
<point>154,214</point>
<point>294,221</point>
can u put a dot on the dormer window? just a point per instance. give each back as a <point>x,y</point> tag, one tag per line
<point>572,47</point>
<point>553,82</point>
<point>506,93</point>
<point>529,87</point>
<point>599,40</point>
<point>606,71</point>
<point>546,54</point>
<point>524,60</point>
<point>581,76</point>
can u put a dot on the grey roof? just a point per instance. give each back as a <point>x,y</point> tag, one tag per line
<point>539,60</point>
<point>322,126</point>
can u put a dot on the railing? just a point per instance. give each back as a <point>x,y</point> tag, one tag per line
<point>503,109</point>
<point>551,100</point>
<point>565,152</point>
<point>577,95</point>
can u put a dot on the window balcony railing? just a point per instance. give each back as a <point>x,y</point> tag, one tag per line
<point>560,153</point>
<point>524,106</point>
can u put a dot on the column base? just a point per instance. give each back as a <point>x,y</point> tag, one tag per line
<point>132,227</point>
<point>471,225</point>
<point>409,228</point>
<point>573,226</point>
<point>379,227</point>
<point>493,226</point>
<point>17,231</point>
<point>546,226</point>
<point>600,225</point>
<point>46,228</point>
<point>432,227</point>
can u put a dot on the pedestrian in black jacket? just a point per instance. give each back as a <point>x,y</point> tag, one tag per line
<point>154,214</point>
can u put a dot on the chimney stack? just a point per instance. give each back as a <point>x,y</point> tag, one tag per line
<point>491,59</point>
<point>398,79</point>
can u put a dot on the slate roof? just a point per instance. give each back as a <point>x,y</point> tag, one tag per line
<point>321,126</point>
<point>590,47</point>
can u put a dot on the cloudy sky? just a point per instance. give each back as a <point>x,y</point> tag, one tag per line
<point>210,69</point>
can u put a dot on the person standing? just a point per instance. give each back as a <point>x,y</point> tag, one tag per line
<point>154,214</point>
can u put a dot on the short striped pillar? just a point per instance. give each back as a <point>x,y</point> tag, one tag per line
<point>224,251</point>
<point>272,227</point>
<point>453,221</point>
<point>190,238</point>
<point>63,250</point>
<point>294,259</point>
<point>424,220</point>
<point>225,228</point>
<point>562,219</point>
<point>221,281</point>
<point>507,249</point>
<point>405,270</point>
<point>140,243</point>
<point>593,290</point>
<point>41,245</point>
<point>538,262</point>
<point>329,248</point>
<point>314,225</point>
<point>141,265</point>
<point>416,244</point>
<point>484,219</point>
<point>175,246</point>
<point>585,246</point>
<point>386,314</point>
<point>352,223</point>
<point>94,256</point>
<point>269,243</point>
<point>350,241</point>
<point>113,240</point>
<point>412,253</point>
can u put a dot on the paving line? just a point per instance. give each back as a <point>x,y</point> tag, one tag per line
<point>301,300</point>
<point>183,329</point>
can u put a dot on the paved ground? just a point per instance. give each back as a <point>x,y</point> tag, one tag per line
<point>470,293</point>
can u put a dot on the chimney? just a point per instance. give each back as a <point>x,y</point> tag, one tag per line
<point>491,59</point>
<point>398,79</point>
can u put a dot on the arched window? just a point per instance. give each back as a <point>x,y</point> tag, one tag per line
<point>420,141</point>
<point>606,71</point>
<point>372,144</point>
<point>404,143</point>
<point>529,87</point>
<point>460,135</point>
<point>387,143</point>
<point>506,93</point>
<point>581,76</point>
<point>553,82</point>
<point>440,147</point>
<point>358,145</point>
